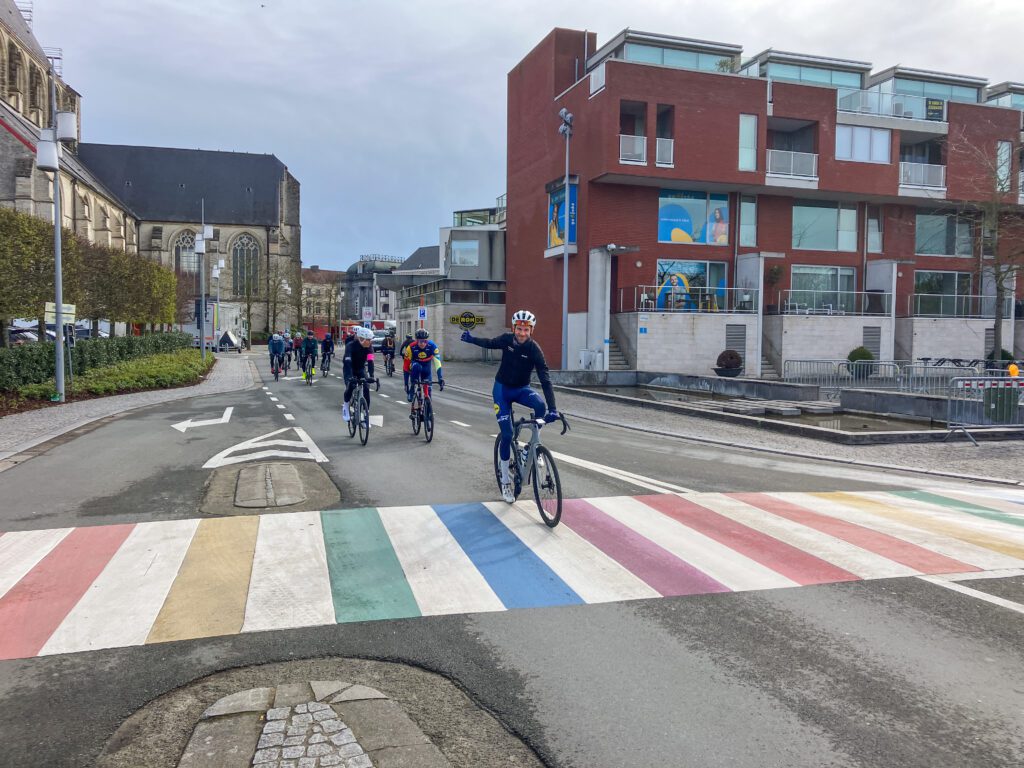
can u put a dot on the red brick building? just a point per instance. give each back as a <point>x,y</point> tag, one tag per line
<point>788,206</point>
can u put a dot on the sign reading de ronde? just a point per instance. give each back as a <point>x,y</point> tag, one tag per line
<point>467,320</point>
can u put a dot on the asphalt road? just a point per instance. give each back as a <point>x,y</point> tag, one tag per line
<point>892,672</point>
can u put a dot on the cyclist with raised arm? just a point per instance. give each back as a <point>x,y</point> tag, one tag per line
<point>357,364</point>
<point>520,356</point>
<point>421,355</point>
<point>326,350</point>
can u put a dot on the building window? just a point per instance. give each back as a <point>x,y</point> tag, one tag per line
<point>945,294</point>
<point>827,289</point>
<point>693,217</point>
<point>748,220</point>
<point>318,308</point>
<point>185,259</point>
<point>385,309</point>
<point>383,293</point>
<point>309,307</point>
<point>820,225</point>
<point>690,285</point>
<point>863,145</point>
<point>815,75</point>
<point>465,253</point>
<point>942,91</point>
<point>1003,150</point>
<point>748,143</point>
<point>671,57</point>
<point>942,233</point>
<point>874,229</point>
<point>245,266</point>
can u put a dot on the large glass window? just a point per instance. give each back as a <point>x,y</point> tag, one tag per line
<point>693,217</point>
<point>945,294</point>
<point>1003,150</point>
<point>748,143</point>
<point>185,259</point>
<point>941,233</point>
<point>465,253</point>
<point>816,75</point>
<point>874,229</point>
<point>942,91</point>
<point>828,289</point>
<point>821,225</point>
<point>671,57</point>
<point>245,266</point>
<point>863,145</point>
<point>748,220</point>
<point>691,285</point>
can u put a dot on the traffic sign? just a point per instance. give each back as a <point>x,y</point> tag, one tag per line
<point>50,312</point>
<point>367,314</point>
<point>423,313</point>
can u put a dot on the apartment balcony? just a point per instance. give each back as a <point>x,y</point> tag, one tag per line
<point>890,105</point>
<point>792,169</point>
<point>957,306</point>
<point>632,150</point>
<point>652,298</point>
<point>664,153</point>
<point>837,303</point>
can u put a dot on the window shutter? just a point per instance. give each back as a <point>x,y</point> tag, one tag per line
<point>736,338</point>
<point>872,340</point>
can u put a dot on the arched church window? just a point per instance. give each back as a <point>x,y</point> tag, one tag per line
<point>185,259</point>
<point>13,69</point>
<point>245,266</point>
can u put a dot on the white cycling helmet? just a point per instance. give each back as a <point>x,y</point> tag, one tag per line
<point>277,337</point>
<point>364,333</point>
<point>524,316</point>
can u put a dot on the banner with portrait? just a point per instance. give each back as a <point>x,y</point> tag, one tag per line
<point>697,218</point>
<point>557,214</point>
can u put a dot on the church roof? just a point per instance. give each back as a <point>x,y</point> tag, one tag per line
<point>163,184</point>
<point>11,18</point>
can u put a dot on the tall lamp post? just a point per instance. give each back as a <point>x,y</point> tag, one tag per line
<point>566,130</point>
<point>63,128</point>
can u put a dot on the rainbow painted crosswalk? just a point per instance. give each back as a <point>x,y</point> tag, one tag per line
<point>79,589</point>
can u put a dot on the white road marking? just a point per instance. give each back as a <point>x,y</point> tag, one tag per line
<point>1002,573</point>
<point>957,587</point>
<point>285,590</point>
<point>120,606</point>
<point>280,406</point>
<point>303,448</point>
<point>383,395</point>
<point>273,400</point>
<point>461,424</point>
<point>21,551</point>
<point>181,426</point>
<point>620,474</point>
<point>289,417</point>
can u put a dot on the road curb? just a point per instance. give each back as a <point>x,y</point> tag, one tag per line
<point>776,451</point>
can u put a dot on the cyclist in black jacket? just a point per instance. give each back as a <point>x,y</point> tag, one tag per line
<point>357,364</point>
<point>520,357</point>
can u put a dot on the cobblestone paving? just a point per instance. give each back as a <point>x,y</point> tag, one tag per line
<point>1000,459</point>
<point>21,431</point>
<point>308,735</point>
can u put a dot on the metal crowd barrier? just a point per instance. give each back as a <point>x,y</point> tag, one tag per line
<point>833,376</point>
<point>932,379</point>
<point>984,401</point>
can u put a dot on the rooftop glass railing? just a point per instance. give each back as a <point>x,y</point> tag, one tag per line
<point>890,104</point>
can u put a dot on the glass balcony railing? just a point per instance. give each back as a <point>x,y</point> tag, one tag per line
<point>798,164</point>
<point>922,175</point>
<point>663,152</point>
<point>890,104</point>
<point>633,149</point>
<point>949,305</point>
<point>807,302</point>
<point>652,298</point>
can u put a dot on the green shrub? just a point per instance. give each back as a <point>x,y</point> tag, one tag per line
<point>860,353</point>
<point>730,359</point>
<point>1004,356</point>
<point>170,369</point>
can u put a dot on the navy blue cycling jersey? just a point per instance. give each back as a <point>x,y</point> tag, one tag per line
<point>518,361</point>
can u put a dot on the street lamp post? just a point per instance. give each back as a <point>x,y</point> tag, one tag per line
<point>566,130</point>
<point>63,128</point>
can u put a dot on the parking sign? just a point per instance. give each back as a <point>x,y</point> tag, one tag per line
<point>423,313</point>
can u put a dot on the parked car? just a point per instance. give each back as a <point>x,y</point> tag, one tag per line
<point>378,338</point>
<point>20,336</point>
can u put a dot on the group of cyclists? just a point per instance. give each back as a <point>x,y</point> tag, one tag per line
<point>283,348</point>
<point>521,356</point>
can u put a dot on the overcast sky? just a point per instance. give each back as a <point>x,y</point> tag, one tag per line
<point>392,114</point>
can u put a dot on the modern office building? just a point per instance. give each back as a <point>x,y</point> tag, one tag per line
<point>785,205</point>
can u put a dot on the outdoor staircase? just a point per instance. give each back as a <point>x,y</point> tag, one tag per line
<point>616,360</point>
<point>768,370</point>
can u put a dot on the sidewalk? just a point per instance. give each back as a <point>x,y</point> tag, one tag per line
<point>21,431</point>
<point>997,459</point>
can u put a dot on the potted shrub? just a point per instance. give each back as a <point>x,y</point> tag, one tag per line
<point>729,363</point>
<point>858,362</point>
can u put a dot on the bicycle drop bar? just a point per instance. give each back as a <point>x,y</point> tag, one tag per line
<point>541,423</point>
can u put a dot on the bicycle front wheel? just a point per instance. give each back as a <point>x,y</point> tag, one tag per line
<point>417,414</point>
<point>428,420</point>
<point>513,466</point>
<point>547,488</point>
<point>364,420</point>
<point>353,414</point>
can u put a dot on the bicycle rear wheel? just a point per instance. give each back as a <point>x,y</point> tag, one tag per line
<point>428,420</point>
<point>513,466</point>
<point>364,420</point>
<point>547,488</point>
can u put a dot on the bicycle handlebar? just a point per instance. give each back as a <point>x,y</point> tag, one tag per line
<point>541,423</point>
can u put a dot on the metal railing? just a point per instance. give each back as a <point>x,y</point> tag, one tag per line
<point>632,149</point>
<point>803,302</point>
<point>923,379</point>
<point>784,163</point>
<point>833,376</point>
<point>664,151</point>
<point>947,305</point>
<point>922,175</point>
<point>651,298</point>
<point>984,401</point>
<point>889,104</point>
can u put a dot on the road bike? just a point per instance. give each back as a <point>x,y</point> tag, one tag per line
<point>359,410</point>
<point>325,364</point>
<point>307,369</point>
<point>389,364</point>
<point>275,366</point>
<point>534,462</point>
<point>422,413</point>
<point>287,361</point>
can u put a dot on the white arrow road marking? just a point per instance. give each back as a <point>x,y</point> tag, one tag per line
<point>620,474</point>
<point>181,426</point>
<point>233,455</point>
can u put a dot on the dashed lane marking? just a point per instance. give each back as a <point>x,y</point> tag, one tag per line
<point>273,400</point>
<point>289,417</point>
<point>280,406</point>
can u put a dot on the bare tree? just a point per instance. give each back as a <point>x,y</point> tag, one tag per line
<point>998,219</point>
<point>277,298</point>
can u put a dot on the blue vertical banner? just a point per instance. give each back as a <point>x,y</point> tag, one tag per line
<point>557,214</point>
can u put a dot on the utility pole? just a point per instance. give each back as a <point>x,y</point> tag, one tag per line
<point>566,130</point>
